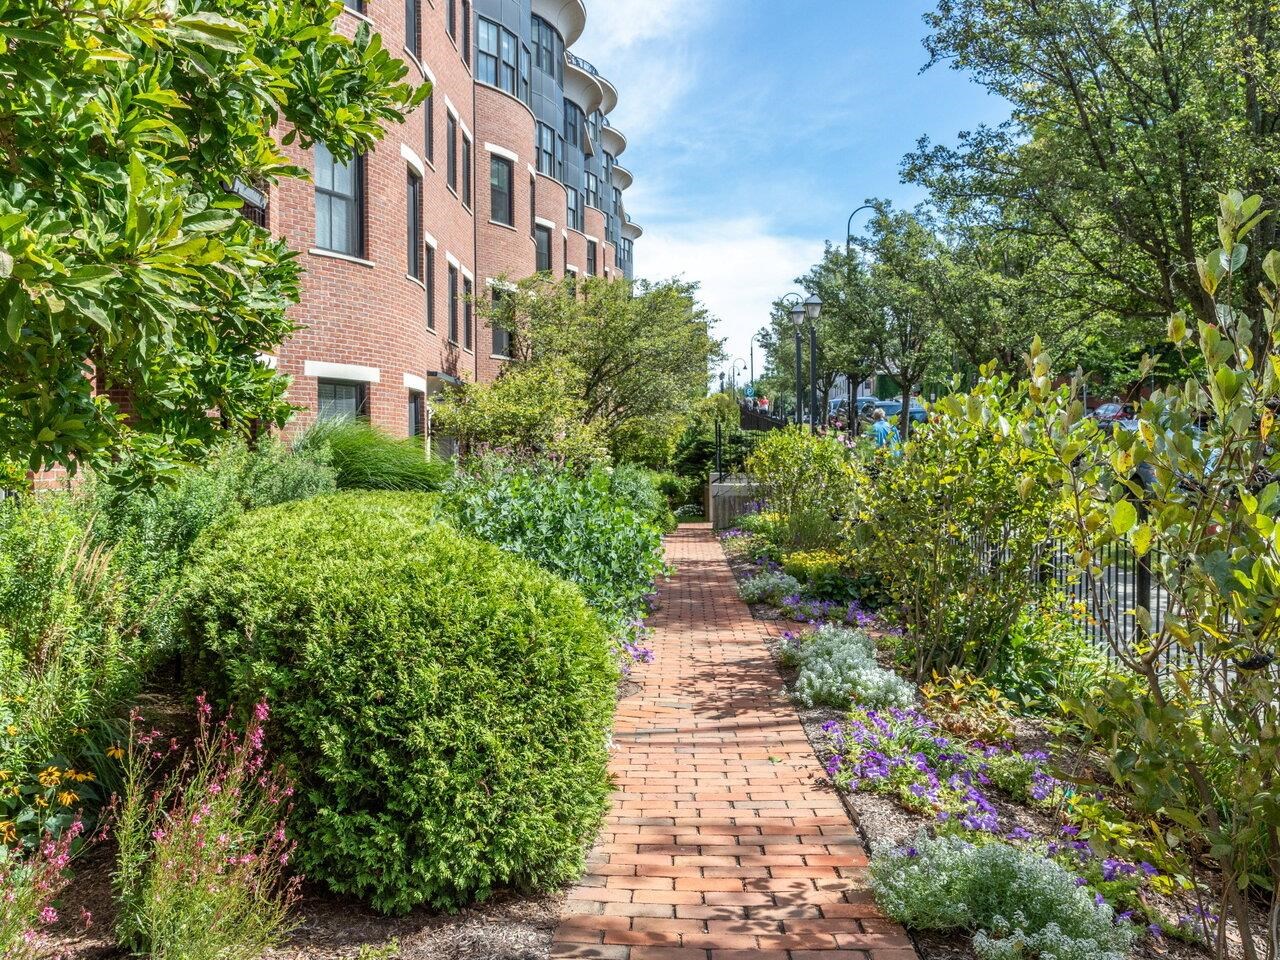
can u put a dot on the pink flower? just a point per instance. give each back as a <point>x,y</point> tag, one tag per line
<point>48,915</point>
<point>157,834</point>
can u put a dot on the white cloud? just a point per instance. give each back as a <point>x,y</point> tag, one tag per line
<point>742,264</point>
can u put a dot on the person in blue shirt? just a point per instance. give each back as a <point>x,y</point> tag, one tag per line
<point>884,433</point>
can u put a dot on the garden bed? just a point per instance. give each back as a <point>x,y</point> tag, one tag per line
<point>883,821</point>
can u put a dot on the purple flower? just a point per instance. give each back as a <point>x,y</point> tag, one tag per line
<point>1155,930</point>
<point>1080,881</point>
<point>1019,833</point>
<point>1148,869</point>
<point>1070,831</point>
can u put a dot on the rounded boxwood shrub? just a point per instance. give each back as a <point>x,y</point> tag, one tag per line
<point>443,706</point>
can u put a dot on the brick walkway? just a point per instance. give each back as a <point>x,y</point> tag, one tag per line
<point>719,845</point>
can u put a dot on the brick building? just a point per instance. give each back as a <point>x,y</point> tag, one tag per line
<point>510,167</point>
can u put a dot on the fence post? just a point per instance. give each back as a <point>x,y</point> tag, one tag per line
<point>1142,587</point>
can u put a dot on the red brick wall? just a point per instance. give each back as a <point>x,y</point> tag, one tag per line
<point>552,202</point>
<point>371,314</point>
<point>505,123</point>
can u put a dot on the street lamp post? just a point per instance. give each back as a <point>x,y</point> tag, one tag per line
<point>812,311</point>
<point>848,233</point>
<point>797,318</point>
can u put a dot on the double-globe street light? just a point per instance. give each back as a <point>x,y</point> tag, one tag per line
<point>808,312</point>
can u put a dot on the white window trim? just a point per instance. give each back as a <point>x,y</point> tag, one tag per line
<point>418,63</point>
<point>357,14</point>
<point>429,240</point>
<point>502,152</point>
<point>335,255</point>
<point>595,240</point>
<point>448,105</point>
<point>549,224</point>
<point>350,372</point>
<point>268,361</point>
<point>413,159</point>
<point>533,172</point>
<point>452,260</point>
<point>570,268</point>
<point>414,279</point>
<point>467,274</point>
<point>498,356</point>
<point>415,382</point>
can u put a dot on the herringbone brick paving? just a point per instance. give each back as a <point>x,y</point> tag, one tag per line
<point>719,844</point>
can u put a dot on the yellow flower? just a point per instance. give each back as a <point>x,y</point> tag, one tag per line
<point>11,730</point>
<point>41,802</point>
<point>5,775</point>
<point>68,797</point>
<point>50,777</point>
<point>85,777</point>
<point>115,752</point>
<point>8,832</point>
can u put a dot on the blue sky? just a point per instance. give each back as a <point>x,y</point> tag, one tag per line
<point>755,128</point>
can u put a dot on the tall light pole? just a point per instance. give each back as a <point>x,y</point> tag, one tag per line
<point>848,232</point>
<point>797,318</point>
<point>812,311</point>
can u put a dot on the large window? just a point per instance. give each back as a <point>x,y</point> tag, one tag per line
<point>525,71</point>
<point>451,18</point>
<point>413,216</point>
<point>467,171</point>
<point>429,255</point>
<point>593,190</point>
<point>548,49</point>
<point>546,150</point>
<point>573,122</point>
<point>413,28</point>
<point>467,314</point>
<point>453,304</point>
<point>340,400</point>
<point>501,335</point>
<point>451,152</point>
<point>591,258</point>
<point>339,203</point>
<point>488,36</point>
<point>417,414</point>
<point>542,236</point>
<point>502,208</point>
<point>575,209</point>
<point>429,122</point>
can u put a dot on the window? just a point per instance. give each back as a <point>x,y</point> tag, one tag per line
<point>525,70</point>
<point>575,209</point>
<point>573,119</point>
<point>413,28</point>
<point>501,200</point>
<point>501,335</point>
<point>429,122</point>
<point>467,316</point>
<point>430,257</point>
<point>453,304</point>
<point>340,400</point>
<point>487,33</point>
<point>510,54</point>
<point>533,204</point>
<point>339,203</point>
<point>356,5</point>
<point>591,258</point>
<point>593,190</point>
<point>451,152</point>
<point>466,171</point>
<point>417,413</point>
<point>546,150</point>
<point>542,238</point>
<point>451,18</point>
<point>414,233</point>
<point>466,32</point>
<point>548,49</point>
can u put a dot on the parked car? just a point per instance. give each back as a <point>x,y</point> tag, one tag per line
<point>893,409</point>
<point>1109,414</point>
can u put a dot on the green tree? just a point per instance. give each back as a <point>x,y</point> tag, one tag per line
<point>135,300</point>
<point>1125,116</point>
<point>644,351</point>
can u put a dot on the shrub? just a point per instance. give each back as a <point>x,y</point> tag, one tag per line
<point>29,886</point>
<point>67,659</point>
<point>968,707</point>
<point>810,482</point>
<point>445,705</point>
<point>838,665</point>
<point>366,458</point>
<point>152,532</point>
<point>639,489</point>
<point>771,586</point>
<point>1019,903</point>
<point>955,532</point>
<point>821,572</point>
<point>201,856</point>
<point>569,523</point>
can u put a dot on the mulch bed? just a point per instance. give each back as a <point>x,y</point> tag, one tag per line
<point>881,820</point>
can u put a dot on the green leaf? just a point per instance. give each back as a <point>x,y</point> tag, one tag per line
<point>1123,517</point>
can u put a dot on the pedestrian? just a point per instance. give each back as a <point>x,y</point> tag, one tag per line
<point>884,433</point>
<point>764,405</point>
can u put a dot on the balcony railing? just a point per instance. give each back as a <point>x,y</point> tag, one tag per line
<point>581,64</point>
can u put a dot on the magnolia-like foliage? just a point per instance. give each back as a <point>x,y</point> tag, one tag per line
<point>135,301</point>
<point>1190,492</point>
